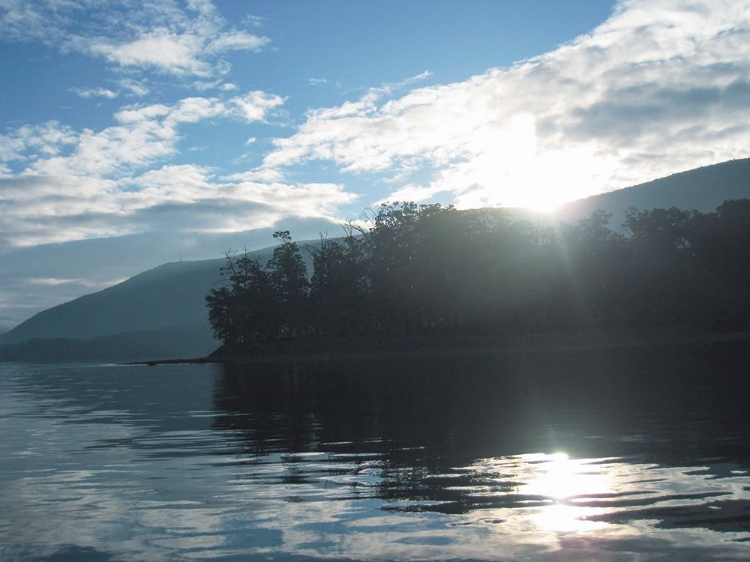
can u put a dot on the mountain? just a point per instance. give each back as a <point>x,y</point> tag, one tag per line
<point>165,303</point>
<point>161,313</point>
<point>701,189</point>
<point>166,297</point>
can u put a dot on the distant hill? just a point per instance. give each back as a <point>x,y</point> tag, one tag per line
<point>701,189</point>
<point>161,313</point>
<point>168,296</point>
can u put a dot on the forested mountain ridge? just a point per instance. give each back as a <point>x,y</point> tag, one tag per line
<point>168,302</point>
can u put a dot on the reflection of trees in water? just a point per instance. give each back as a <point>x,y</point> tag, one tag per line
<point>443,411</point>
<point>422,431</point>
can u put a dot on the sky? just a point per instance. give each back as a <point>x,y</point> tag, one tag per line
<point>136,133</point>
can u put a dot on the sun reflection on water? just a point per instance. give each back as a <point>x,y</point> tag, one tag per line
<point>566,484</point>
<point>550,492</point>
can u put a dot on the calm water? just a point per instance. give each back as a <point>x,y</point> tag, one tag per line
<point>640,454</point>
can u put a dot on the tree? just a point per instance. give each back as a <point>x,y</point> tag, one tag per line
<point>595,262</point>
<point>426,269</point>
<point>242,310</point>
<point>720,246</point>
<point>339,288</point>
<point>397,256</point>
<point>661,255</point>
<point>288,276</point>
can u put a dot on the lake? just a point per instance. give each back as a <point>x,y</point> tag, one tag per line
<point>606,454</point>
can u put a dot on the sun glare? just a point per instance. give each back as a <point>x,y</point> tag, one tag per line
<point>551,179</point>
<point>513,169</point>
<point>566,483</point>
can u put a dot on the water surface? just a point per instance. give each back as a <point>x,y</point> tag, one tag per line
<point>632,454</point>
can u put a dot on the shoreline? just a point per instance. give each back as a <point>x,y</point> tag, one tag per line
<point>445,346</point>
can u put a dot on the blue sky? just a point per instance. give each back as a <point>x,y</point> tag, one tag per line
<point>136,133</point>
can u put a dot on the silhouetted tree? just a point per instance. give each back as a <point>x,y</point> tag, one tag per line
<point>661,250</point>
<point>244,309</point>
<point>720,249</point>
<point>288,276</point>
<point>339,288</point>
<point>428,269</point>
<point>397,254</point>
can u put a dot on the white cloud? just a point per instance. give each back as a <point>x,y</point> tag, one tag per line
<point>254,21</point>
<point>43,209</point>
<point>195,109</point>
<point>33,141</point>
<point>189,184</point>
<point>265,175</point>
<point>411,80</point>
<point>55,282</point>
<point>254,106</point>
<point>88,93</point>
<point>75,185</point>
<point>11,147</point>
<point>71,185</point>
<point>160,48</point>
<point>662,86</point>
<point>157,35</point>
<point>143,135</point>
<point>135,114</point>
<point>135,87</point>
<point>21,20</point>
<point>237,41</point>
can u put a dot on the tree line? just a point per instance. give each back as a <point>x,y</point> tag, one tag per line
<point>421,270</point>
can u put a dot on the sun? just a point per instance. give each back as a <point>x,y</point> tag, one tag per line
<point>546,180</point>
<point>512,168</point>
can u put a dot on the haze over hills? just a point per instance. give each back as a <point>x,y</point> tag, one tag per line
<point>161,313</point>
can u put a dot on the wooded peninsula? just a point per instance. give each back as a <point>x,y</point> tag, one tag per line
<point>428,270</point>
